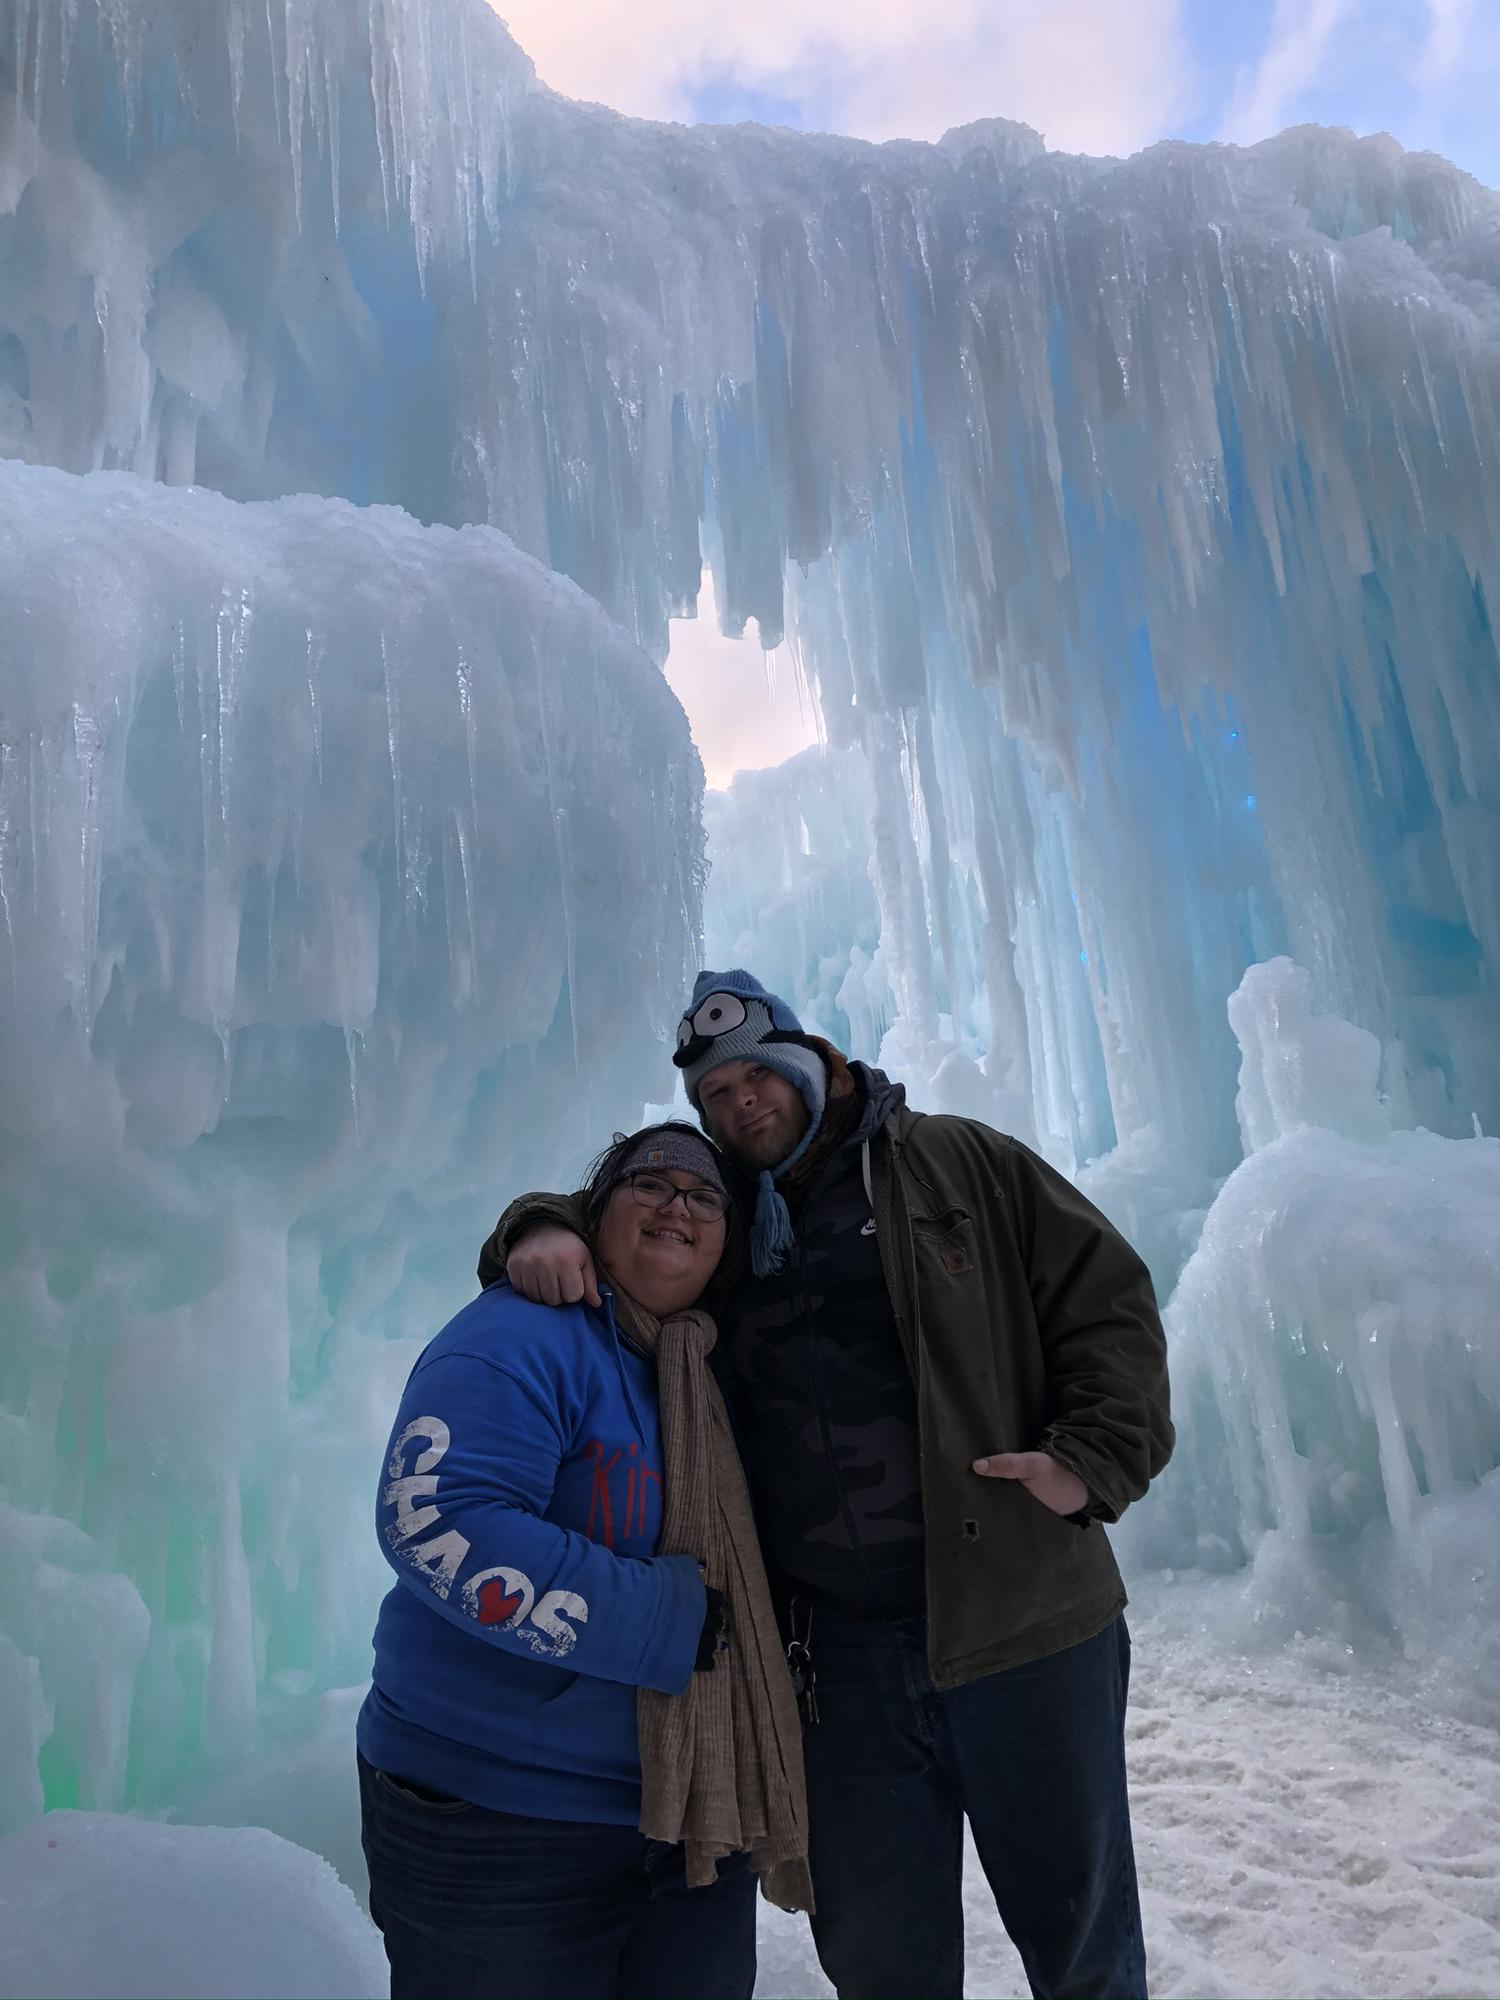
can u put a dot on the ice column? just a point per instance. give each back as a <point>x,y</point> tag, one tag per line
<point>298,983</point>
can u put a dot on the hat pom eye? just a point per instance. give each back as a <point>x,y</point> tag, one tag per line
<point>684,1032</point>
<point>718,1014</point>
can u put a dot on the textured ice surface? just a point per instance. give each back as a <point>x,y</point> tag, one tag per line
<point>790,893</point>
<point>1135,524</point>
<point>1137,518</point>
<point>348,870</point>
<point>1332,1303</point>
<point>94,1905</point>
<point>1335,1366</point>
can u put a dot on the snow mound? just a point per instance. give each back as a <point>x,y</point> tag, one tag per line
<point>300,1780</point>
<point>99,1907</point>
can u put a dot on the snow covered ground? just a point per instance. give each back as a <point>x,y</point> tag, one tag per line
<point>1307,1825</point>
<point>1300,1830</point>
<point>1305,1833</point>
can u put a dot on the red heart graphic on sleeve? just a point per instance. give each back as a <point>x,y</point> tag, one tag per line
<point>493,1608</point>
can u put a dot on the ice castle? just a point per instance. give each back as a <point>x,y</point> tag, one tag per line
<point>366,412</point>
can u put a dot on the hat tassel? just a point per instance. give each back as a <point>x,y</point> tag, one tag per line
<point>771,1232</point>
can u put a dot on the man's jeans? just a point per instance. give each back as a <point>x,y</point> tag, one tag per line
<point>478,1905</point>
<point>1035,1757</point>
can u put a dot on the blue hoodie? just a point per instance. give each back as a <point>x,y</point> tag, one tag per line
<point>521,1510</point>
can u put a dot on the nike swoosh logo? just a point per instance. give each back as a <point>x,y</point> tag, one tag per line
<point>869,1228</point>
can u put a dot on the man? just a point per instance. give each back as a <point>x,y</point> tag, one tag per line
<point>947,1370</point>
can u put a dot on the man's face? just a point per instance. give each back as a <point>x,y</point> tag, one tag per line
<point>755,1114</point>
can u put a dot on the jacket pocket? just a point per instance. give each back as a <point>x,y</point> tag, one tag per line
<point>589,1726</point>
<point>949,1238</point>
<point>570,1686</point>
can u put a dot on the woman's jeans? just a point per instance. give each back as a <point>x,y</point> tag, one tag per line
<point>478,1905</point>
<point>1033,1757</point>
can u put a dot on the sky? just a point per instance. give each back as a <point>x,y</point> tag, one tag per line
<point>1092,76</point>
<point>747,708</point>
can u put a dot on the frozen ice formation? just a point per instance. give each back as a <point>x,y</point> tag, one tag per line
<point>1075,480</point>
<point>1335,1366</point>
<point>92,1905</point>
<point>347,871</point>
<point>790,892</point>
<point>366,410</point>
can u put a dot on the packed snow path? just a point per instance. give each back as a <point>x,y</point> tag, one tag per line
<point>1298,1832</point>
<point>1303,1830</point>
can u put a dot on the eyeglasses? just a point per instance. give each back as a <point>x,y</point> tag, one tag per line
<point>651,1191</point>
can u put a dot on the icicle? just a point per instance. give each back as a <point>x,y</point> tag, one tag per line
<point>561,828</point>
<point>277,70</point>
<point>88,747</point>
<point>10,841</point>
<point>314,703</point>
<point>465,676</point>
<point>354,1042</point>
<point>235,45</point>
<point>297,96</point>
<point>331,94</point>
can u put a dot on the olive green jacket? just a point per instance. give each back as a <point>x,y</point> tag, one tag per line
<point>1029,1324</point>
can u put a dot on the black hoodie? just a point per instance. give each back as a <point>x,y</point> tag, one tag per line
<point>823,1398</point>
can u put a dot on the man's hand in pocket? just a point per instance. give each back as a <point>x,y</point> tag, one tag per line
<point>1043,1476</point>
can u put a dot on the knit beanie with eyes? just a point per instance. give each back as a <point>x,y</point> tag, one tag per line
<point>732,1018</point>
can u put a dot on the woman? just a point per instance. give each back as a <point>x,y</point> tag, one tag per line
<point>581,1743</point>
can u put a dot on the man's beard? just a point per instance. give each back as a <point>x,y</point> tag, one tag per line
<point>766,1148</point>
<point>761,1149</point>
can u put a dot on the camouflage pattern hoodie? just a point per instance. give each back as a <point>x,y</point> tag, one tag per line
<point>825,1405</point>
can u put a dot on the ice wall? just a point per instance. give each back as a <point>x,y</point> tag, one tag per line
<point>1330,1305</point>
<point>1335,1366</point>
<point>1135,523</point>
<point>1075,480</point>
<point>348,870</point>
<point>790,892</point>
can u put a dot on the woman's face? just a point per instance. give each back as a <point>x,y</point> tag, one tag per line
<point>662,1256</point>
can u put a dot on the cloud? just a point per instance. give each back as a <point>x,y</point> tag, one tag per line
<point>1090,75</point>
<point>1290,65</point>
<point>1427,71</point>
<point>1448,27</point>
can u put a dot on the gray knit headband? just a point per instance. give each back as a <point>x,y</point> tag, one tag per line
<point>661,1152</point>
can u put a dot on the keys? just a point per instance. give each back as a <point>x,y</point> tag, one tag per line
<point>804,1680</point>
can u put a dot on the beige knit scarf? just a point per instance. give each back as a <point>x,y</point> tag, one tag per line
<point>721,1765</point>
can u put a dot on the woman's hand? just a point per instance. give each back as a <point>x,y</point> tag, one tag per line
<point>715,1634</point>
<point>1046,1478</point>
<point>552,1267</point>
